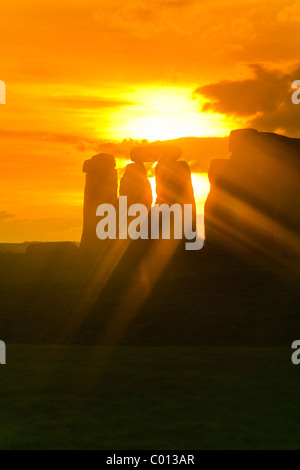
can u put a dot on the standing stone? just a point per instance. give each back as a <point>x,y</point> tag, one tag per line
<point>216,221</point>
<point>101,188</point>
<point>254,204</point>
<point>136,186</point>
<point>174,184</point>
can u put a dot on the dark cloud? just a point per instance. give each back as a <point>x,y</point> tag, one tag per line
<point>4,215</point>
<point>264,100</point>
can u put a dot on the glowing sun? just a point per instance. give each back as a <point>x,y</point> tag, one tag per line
<point>162,113</point>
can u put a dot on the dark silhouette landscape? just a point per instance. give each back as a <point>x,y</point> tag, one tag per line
<point>240,289</point>
<point>142,344</point>
<point>126,324</point>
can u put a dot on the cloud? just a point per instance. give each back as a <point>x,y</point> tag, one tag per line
<point>176,3</point>
<point>262,93</point>
<point>91,102</point>
<point>4,215</point>
<point>53,137</point>
<point>144,18</point>
<point>197,151</point>
<point>263,100</point>
<point>289,14</point>
<point>121,150</point>
<point>219,21</point>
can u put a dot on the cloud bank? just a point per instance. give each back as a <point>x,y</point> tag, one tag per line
<point>263,100</point>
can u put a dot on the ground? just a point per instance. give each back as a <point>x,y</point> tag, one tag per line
<point>201,359</point>
<point>85,397</point>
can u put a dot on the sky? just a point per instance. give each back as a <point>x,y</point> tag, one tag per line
<point>85,76</point>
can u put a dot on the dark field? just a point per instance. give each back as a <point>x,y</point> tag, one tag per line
<point>197,357</point>
<point>198,299</point>
<point>84,397</point>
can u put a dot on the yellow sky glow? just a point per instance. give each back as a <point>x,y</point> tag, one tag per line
<point>162,113</point>
<point>82,74</point>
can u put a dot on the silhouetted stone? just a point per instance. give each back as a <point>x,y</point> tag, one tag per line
<point>153,153</point>
<point>174,184</point>
<point>258,191</point>
<point>242,139</point>
<point>101,188</point>
<point>215,210</point>
<point>216,170</point>
<point>136,186</point>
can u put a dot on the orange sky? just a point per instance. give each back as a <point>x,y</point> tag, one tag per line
<point>80,74</point>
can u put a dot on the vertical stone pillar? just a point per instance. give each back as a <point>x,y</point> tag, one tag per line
<point>101,188</point>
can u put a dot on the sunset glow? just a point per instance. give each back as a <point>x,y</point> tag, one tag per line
<point>97,76</point>
<point>162,113</point>
<point>201,187</point>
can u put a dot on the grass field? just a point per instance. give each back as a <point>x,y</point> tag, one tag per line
<point>89,397</point>
<point>197,356</point>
